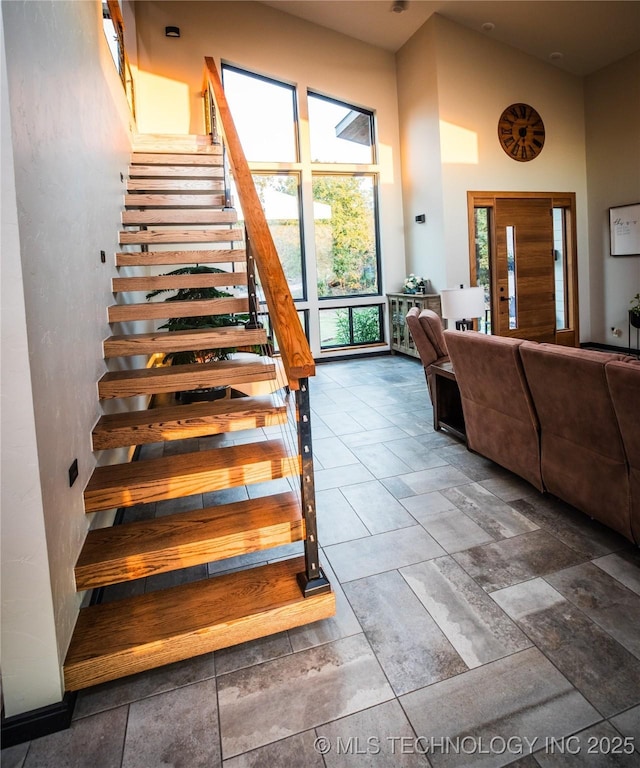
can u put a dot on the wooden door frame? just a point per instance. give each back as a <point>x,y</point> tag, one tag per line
<point>569,336</point>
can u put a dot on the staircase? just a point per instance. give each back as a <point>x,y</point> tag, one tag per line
<point>174,213</point>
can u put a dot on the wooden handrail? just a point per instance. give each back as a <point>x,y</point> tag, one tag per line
<point>292,342</point>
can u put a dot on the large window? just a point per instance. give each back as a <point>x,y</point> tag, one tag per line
<point>346,252</point>
<point>265,117</point>
<point>113,28</point>
<point>350,326</point>
<point>279,194</point>
<point>325,188</point>
<point>339,133</point>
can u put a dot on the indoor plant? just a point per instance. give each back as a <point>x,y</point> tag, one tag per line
<point>413,284</point>
<point>192,323</point>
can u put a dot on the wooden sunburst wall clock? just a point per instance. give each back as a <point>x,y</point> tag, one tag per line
<point>521,132</point>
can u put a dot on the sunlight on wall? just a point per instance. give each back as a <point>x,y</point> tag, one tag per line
<point>385,161</point>
<point>153,96</point>
<point>458,145</point>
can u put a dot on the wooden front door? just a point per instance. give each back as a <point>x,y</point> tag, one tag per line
<point>523,281</point>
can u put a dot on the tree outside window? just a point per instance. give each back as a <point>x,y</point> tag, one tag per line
<point>346,253</point>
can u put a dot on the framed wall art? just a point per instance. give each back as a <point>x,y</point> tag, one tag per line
<point>624,228</point>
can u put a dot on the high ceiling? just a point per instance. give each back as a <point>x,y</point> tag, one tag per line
<point>589,34</point>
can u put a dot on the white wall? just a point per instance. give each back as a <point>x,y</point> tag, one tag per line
<point>266,41</point>
<point>29,656</point>
<point>612,99</point>
<point>476,78</point>
<point>70,142</point>
<point>419,109</point>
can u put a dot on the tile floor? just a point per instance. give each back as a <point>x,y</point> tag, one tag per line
<point>479,623</point>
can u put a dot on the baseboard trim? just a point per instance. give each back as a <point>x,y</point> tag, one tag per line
<point>606,348</point>
<point>38,722</point>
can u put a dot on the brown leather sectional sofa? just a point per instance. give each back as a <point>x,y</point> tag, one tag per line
<point>566,420</point>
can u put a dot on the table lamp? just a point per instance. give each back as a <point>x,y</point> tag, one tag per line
<point>462,305</point>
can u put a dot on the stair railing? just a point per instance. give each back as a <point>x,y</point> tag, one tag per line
<point>293,346</point>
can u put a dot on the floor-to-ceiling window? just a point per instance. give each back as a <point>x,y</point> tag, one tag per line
<point>317,179</point>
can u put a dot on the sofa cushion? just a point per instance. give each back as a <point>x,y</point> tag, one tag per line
<point>624,386</point>
<point>582,455</point>
<point>500,420</point>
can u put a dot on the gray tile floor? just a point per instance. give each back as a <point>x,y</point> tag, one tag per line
<point>479,622</point>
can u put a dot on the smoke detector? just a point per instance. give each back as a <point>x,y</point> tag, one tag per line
<point>399,6</point>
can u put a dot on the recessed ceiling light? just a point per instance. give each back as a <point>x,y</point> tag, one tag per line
<point>399,6</point>
<point>488,26</point>
<point>556,56</point>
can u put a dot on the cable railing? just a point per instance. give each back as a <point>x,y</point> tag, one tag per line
<point>268,291</point>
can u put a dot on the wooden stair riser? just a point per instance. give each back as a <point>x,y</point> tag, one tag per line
<point>164,158</point>
<point>181,341</point>
<point>180,378</point>
<point>187,421</point>
<point>158,236</point>
<point>146,548</point>
<point>145,200</point>
<point>172,217</point>
<point>124,485</point>
<point>163,310</point>
<point>137,634</point>
<point>177,258</point>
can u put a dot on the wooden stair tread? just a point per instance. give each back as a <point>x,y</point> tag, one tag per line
<point>147,547</point>
<point>178,341</point>
<point>194,200</point>
<point>177,171</point>
<point>181,158</point>
<point>157,310</point>
<point>174,184</point>
<point>151,236</point>
<point>173,282</point>
<point>170,477</point>
<point>140,633</point>
<point>158,258</point>
<point>178,378</point>
<point>177,422</point>
<point>172,216</point>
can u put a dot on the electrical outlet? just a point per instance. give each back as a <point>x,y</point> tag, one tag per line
<point>73,472</point>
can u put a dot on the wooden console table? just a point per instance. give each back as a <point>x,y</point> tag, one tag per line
<point>399,304</point>
<point>447,405</point>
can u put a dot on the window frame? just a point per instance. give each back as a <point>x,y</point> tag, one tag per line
<point>376,232</point>
<point>351,107</point>
<point>294,109</point>
<point>312,304</point>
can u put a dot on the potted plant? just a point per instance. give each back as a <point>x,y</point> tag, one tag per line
<point>193,323</point>
<point>634,312</point>
<point>414,284</point>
